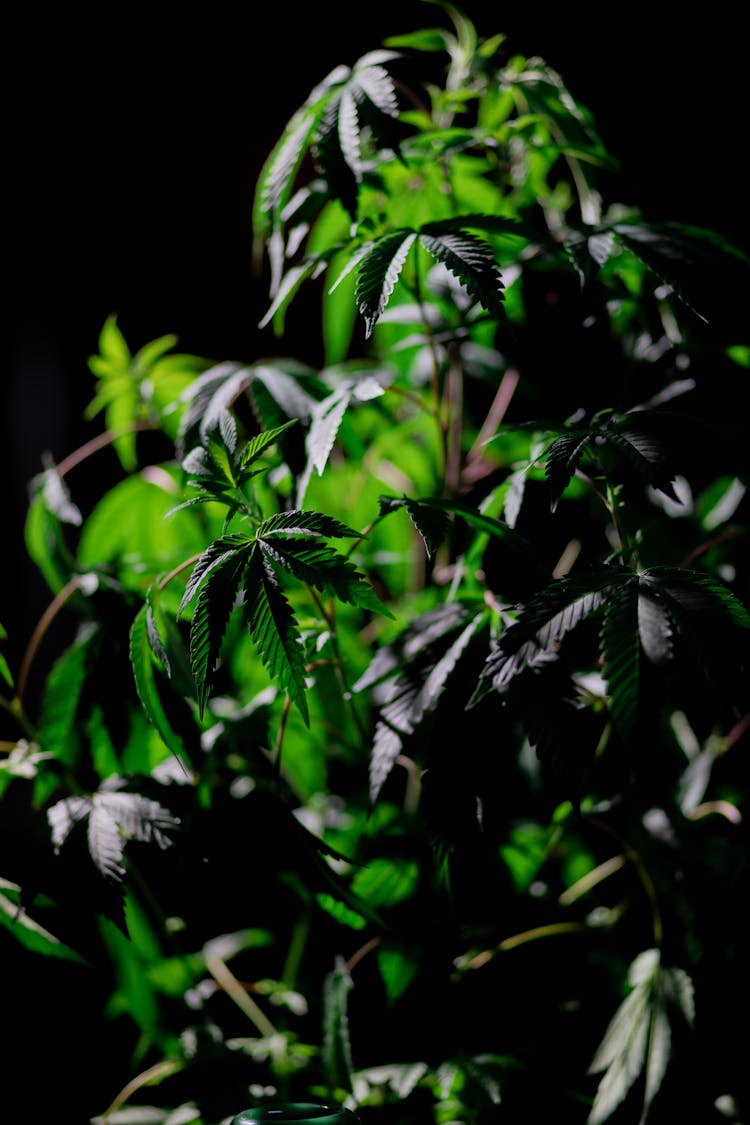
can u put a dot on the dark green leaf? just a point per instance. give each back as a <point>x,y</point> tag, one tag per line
<point>298,522</point>
<point>219,588</point>
<point>691,260</point>
<point>563,458</point>
<point>472,261</point>
<point>320,566</point>
<point>379,270</point>
<point>274,630</point>
<point>533,640</point>
<point>620,642</point>
<point>429,518</point>
<point>142,658</point>
<point>214,555</point>
<point>645,452</point>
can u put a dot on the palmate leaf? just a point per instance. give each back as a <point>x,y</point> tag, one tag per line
<point>637,1042</point>
<point>276,180</point>
<point>620,641</point>
<point>353,385</point>
<point>113,817</point>
<point>642,615</point>
<point>707,618</point>
<point>465,255</point>
<point>545,621</point>
<point>471,260</point>
<point>431,519</point>
<point>693,261</point>
<point>220,584</point>
<point>321,566</point>
<point>129,387</point>
<point>274,631</point>
<point>211,393</point>
<point>410,675</point>
<point>220,465</point>
<point>636,436</point>
<point>379,270</point>
<point>362,109</point>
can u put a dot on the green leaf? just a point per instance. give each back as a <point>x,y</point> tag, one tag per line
<point>472,261</point>
<point>644,451</point>
<point>361,111</point>
<point>638,1038</point>
<point>693,261</point>
<point>398,970</point>
<point>386,882</point>
<point>274,631</point>
<point>324,568</point>
<point>26,930</point>
<point>112,343</point>
<point>340,911</point>
<point>220,584</point>
<point>50,506</point>
<point>337,1048</point>
<point>621,649</point>
<point>214,555</point>
<point>379,270</point>
<point>213,392</point>
<point>276,179</point>
<point>142,659</point>
<point>253,448</point>
<point>306,523</point>
<point>409,676</point>
<point>135,527</point>
<point>563,458</point>
<point>431,519</point>
<point>548,617</point>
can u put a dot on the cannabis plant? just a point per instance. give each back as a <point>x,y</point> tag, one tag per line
<point>394,754</point>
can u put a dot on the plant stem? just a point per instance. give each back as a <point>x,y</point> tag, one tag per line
<point>224,977</point>
<point>100,442</point>
<point>45,621</point>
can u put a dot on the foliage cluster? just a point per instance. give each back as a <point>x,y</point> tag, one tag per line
<point>396,756</point>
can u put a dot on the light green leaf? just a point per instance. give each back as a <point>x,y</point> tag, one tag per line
<point>27,931</point>
<point>142,658</point>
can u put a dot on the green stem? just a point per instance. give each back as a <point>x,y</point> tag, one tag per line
<point>338,665</point>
